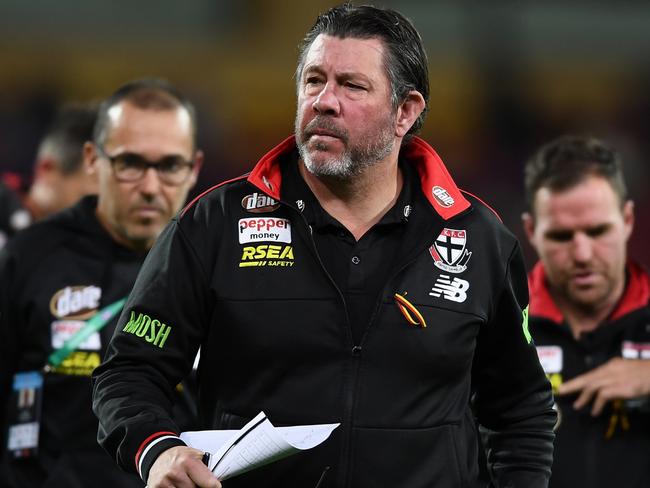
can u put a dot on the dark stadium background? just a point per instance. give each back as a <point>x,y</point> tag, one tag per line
<point>505,77</point>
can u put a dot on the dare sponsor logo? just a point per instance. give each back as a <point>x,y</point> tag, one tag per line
<point>442,196</point>
<point>259,203</point>
<point>75,302</point>
<point>267,255</point>
<point>264,229</point>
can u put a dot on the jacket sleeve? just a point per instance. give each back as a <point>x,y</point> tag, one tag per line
<point>152,349</point>
<point>513,400</point>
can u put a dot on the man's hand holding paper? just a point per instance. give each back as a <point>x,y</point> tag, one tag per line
<point>181,467</point>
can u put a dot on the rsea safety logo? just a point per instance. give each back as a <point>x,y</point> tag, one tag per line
<point>152,330</point>
<point>266,255</point>
<point>79,363</point>
<point>264,229</point>
<point>259,203</point>
<point>75,302</point>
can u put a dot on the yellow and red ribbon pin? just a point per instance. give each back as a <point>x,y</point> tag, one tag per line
<point>409,311</point>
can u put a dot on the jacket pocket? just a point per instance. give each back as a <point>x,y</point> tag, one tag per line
<point>414,458</point>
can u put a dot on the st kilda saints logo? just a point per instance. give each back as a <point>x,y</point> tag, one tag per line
<point>259,203</point>
<point>449,252</point>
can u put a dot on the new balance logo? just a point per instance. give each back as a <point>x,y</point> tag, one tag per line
<point>454,290</point>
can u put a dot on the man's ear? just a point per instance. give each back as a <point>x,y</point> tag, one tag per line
<point>628,218</point>
<point>198,163</point>
<point>90,158</point>
<point>408,112</point>
<point>44,167</point>
<point>528,222</point>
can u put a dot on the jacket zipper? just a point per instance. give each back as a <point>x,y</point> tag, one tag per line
<point>344,471</point>
<point>355,352</point>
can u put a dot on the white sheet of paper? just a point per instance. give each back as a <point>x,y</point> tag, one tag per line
<point>207,440</point>
<point>256,444</point>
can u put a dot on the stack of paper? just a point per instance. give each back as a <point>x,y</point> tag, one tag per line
<point>234,452</point>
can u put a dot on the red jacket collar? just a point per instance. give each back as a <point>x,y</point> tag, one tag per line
<point>636,295</point>
<point>437,184</point>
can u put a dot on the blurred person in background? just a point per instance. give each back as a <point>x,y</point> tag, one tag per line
<point>346,280</point>
<point>13,217</point>
<point>60,178</point>
<point>589,314</point>
<point>64,279</point>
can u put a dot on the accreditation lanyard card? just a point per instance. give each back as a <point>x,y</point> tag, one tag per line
<point>25,414</point>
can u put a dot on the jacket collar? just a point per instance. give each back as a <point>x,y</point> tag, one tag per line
<point>436,182</point>
<point>635,296</point>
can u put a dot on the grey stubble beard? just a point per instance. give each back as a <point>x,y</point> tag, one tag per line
<point>354,161</point>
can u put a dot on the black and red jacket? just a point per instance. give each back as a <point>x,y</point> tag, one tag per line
<point>43,272</point>
<point>596,452</point>
<point>238,274</point>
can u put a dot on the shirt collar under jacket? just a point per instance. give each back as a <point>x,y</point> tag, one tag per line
<point>436,182</point>
<point>635,296</point>
<point>298,194</point>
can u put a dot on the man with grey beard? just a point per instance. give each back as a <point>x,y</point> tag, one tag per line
<point>345,280</point>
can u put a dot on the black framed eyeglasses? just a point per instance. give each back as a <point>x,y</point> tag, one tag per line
<point>131,167</point>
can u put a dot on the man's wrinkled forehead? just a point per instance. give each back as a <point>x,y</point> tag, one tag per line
<point>547,193</point>
<point>320,47</point>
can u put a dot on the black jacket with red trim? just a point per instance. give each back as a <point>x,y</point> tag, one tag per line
<point>611,449</point>
<point>54,276</point>
<point>238,274</point>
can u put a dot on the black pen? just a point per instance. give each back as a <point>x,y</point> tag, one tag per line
<point>206,458</point>
<point>242,435</point>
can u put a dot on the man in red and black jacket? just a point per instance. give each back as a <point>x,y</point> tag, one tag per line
<point>589,314</point>
<point>346,280</point>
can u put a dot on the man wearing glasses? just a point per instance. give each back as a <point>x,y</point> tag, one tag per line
<point>63,282</point>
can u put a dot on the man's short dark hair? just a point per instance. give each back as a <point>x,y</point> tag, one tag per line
<point>569,160</point>
<point>65,137</point>
<point>405,58</point>
<point>147,93</point>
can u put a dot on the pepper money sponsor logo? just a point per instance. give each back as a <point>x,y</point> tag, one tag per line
<point>264,229</point>
<point>63,330</point>
<point>636,350</point>
<point>551,358</point>
<point>151,330</point>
